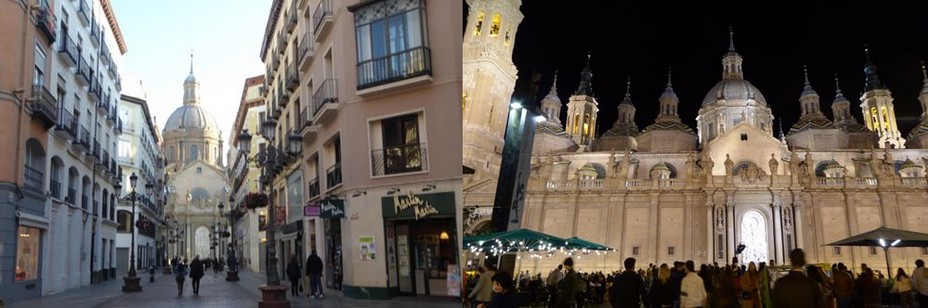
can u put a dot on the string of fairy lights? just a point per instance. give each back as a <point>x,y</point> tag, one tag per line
<point>536,248</point>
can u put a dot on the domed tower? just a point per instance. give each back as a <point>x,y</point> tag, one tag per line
<point>814,131</point>
<point>732,101</point>
<point>859,137</point>
<point>918,137</point>
<point>550,136</point>
<point>621,136</point>
<point>667,127</point>
<point>191,133</point>
<point>582,110</point>
<point>877,106</point>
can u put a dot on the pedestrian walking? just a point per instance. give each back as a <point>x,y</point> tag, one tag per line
<point>294,273</point>
<point>314,271</point>
<point>920,283</point>
<point>504,294</point>
<point>902,286</point>
<point>483,291</point>
<point>796,289</point>
<point>196,273</point>
<point>553,278</point>
<point>628,288</point>
<point>570,286</point>
<point>180,274</point>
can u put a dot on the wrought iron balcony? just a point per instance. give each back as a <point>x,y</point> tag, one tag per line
<point>276,63</point>
<point>112,69</point>
<point>314,187</point>
<point>71,197</point>
<point>83,71</point>
<point>293,77</point>
<point>322,18</point>
<point>95,33</point>
<point>85,203</point>
<point>45,21</point>
<point>95,91</point>
<point>94,153</point>
<point>305,52</point>
<point>44,106</point>
<point>112,115</point>
<point>66,125</point>
<point>105,159</point>
<point>67,48</point>
<point>333,176</point>
<point>291,17</point>
<point>82,142</point>
<point>390,68</point>
<point>119,126</point>
<point>55,188</point>
<point>284,94</point>
<point>282,42</point>
<point>399,159</point>
<point>33,179</point>
<point>326,94</point>
<point>84,12</point>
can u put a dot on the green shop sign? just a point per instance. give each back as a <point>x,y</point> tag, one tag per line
<point>418,206</point>
<point>332,208</point>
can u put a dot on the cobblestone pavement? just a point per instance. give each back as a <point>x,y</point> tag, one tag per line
<point>214,292</point>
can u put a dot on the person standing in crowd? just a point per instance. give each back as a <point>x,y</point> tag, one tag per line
<point>692,291</point>
<point>750,286</point>
<point>727,295</point>
<point>844,286</point>
<point>551,282</point>
<point>628,288</point>
<point>797,290</point>
<point>920,283</point>
<point>483,292</point>
<point>661,293</point>
<point>824,284</point>
<point>504,294</point>
<point>903,286</point>
<point>180,274</point>
<point>568,288</point>
<point>196,273</point>
<point>868,287</point>
<point>294,273</point>
<point>314,271</point>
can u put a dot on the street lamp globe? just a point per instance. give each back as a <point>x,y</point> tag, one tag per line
<point>117,189</point>
<point>269,129</point>
<point>133,180</point>
<point>244,142</point>
<point>295,143</point>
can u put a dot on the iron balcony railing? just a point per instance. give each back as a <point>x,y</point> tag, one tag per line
<point>293,76</point>
<point>83,71</point>
<point>45,20</point>
<point>84,137</point>
<point>95,89</point>
<point>84,201</point>
<point>398,66</point>
<point>333,175</point>
<point>314,187</point>
<point>33,177</point>
<point>105,160</point>
<point>327,93</point>
<point>55,187</point>
<point>95,33</point>
<point>305,48</point>
<point>44,105</point>
<point>323,10</point>
<point>291,17</point>
<point>72,194</point>
<point>83,11</point>
<point>68,47</point>
<point>399,159</point>
<point>306,118</point>
<point>66,122</point>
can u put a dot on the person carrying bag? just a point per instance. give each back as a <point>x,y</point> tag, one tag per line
<point>180,274</point>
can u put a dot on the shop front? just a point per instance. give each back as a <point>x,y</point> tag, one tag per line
<point>421,237</point>
<point>331,213</point>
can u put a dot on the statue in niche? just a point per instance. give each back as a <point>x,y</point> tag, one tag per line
<point>787,218</point>
<point>809,163</point>
<point>612,164</point>
<point>729,164</point>
<point>774,165</point>
<point>875,164</point>
<point>793,164</point>
<point>721,129</point>
<point>720,220</point>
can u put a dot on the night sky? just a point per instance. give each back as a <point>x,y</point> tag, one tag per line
<point>774,40</point>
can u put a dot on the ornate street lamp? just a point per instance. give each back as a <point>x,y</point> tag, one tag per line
<point>232,273</point>
<point>131,282</point>
<point>272,160</point>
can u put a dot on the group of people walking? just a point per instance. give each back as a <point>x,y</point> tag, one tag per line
<point>313,271</point>
<point>181,270</point>
<point>735,285</point>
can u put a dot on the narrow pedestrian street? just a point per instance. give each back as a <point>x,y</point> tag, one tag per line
<point>214,292</point>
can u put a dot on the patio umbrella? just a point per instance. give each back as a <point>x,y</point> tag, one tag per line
<point>578,243</point>
<point>885,237</point>
<point>517,241</point>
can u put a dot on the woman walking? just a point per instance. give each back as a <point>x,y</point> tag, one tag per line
<point>196,273</point>
<point>661,294</point>
<point>903,287</point>
<point>180,274</point>
<point>294,273</point>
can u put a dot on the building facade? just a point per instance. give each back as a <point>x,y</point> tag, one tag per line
<point>249,231</point>
<point>669,192</point>
<point>196,180</point>
<point>380,108</point>
<point>139,153</point>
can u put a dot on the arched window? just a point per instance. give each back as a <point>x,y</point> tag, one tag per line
<point>494,28</point>
<point>576,123</point>
<point>55,177</point>
<point>479,24</point>
<point>124,218</point>
<point>586,124</point>
<point>34,171</point>
<point>194,153</point>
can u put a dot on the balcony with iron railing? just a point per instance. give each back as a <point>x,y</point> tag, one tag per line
<point>112,69</point>
<point>282,38</point>
<point>66,126</point>
<point>33,179</point>
<point>284,93</point>
<point>95,32</point>
<point>85,202</point>
<point>44,106</point>
<point>399,159</point>
<point>82,142</point>
<point>118,126</point>
<point>291,17</point>
<point>305,52</point>
<point>322,18</point>
<point>67,48</point>
<point>403,65</point>
<point>45,21</point>
<point>104,105</point>
<point>95,91</point>
<point>314,187</point>
<point>94,153</point>
<point>293,76</point>
<point>112,115</point>
<point>70,198</point>
<point>84,12</point>
<point>83,71</point>
<point>55,188</point>
<point>325,100</point>
<point>104,159</point>
<point>333,176</point>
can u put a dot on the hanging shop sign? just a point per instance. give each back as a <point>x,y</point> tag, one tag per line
<point>332,208</point>
<point>417,207</point>
<point>312,210</point>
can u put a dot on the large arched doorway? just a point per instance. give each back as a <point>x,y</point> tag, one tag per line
<point>202,242</point>
<point>754,237</point>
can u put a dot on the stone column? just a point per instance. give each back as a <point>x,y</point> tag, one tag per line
<point>710,233</point>
<point>777,232</point>
<point>730,227</point>
<point>654,228</point>
<point>797,225</point>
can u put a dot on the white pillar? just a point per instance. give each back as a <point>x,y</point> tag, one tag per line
<point>797,213</point>
<point>710,235</point>
<point>778,232</point>
<point>730,227</point>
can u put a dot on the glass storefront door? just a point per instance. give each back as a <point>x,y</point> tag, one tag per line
<point>333,256</point>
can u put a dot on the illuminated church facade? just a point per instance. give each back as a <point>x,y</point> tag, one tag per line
<point>671,192</point>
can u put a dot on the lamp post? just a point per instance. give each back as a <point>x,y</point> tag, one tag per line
<point>131,282</point>
<point>231,260</point>
<point>272,160</point>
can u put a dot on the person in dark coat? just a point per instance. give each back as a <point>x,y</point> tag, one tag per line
<point>196,273</point>
<point>868,288</point>
<point>314,271</point>
<point>568,288</point>
<point>796,290</point>
<point>294,273</point>
<point>504,295</point>
<point>661,294</point>
<point>628,288</point>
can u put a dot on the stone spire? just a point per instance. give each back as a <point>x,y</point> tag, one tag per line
<point>586,77</point>
<point>191,87</point>
<point>731,63</point>
<point>923,96</point>
<point>668,102</point>
<point>873,80</point>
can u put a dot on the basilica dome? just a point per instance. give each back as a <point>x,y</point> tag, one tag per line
<point>190,117</point>
<point>733,89</point>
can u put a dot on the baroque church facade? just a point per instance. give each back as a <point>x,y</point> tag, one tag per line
<point>197,180</point>
<point>670,192</point>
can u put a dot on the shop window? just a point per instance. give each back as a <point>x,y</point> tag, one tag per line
<point>27,254</point>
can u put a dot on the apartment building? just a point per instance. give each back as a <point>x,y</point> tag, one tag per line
<point>372,89</point>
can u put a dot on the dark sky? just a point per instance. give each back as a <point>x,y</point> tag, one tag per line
<point>775,39</point>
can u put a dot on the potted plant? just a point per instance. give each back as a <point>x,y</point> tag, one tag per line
<point>255,200</point>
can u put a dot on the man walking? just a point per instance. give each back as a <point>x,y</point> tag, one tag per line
<point>844,286</point>
<point>920,283</point>
<point>314,271</point>
<point>293,272</point>
<point>569,286</point>
<point>692,290</point>
<point>180,274</point>
<point>196,273</point>
<point>796,290</point>
<point>553,278</point>
<point>628,288</point>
